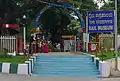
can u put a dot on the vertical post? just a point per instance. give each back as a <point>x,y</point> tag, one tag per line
<point>35,48</point>
<point>24,31</point>
<point>75,43</point>
<point>83,47</point>
<point>97,37</point>
<point>7,42</point>
<point>116,47</point>
<point>96,50</point>
<point>21,45</point>
<point>16,43</point>
<point>87,41</point>
<point>1,43</point>
<point>10,43</point>
<point>87,33</point>
<point>102,53</point>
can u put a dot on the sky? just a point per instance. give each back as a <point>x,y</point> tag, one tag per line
<point>101,3</point>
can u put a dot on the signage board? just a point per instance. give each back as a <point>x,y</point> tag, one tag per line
<point>10,25</point>
<point>101,21</point>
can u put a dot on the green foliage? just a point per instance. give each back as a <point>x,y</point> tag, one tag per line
<point>52,48</point>
<point>12,59</point>
<point>54,21</point>
<point>5,52</point>
<point>107,55</point>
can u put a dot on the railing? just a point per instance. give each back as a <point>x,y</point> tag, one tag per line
<point>11,43</point>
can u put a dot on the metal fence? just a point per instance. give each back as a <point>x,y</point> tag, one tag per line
<point>11,43</point>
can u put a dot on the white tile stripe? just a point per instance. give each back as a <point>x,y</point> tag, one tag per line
<point>32,62</point>
<point>103,67</point>
<point>95,60</point>
<point>34,58</point>
<point>22,69</point>
<point>5,67</point>
<point>29,67</point>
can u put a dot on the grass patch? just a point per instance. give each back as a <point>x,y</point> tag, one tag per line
<point>12,59</point>
<point>107,55</point>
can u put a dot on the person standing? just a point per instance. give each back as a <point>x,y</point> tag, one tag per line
<point>46,48</point>
<point>42,45</point>
<point>62,45</point>
<point>34,46</point>
<point>58,47</point>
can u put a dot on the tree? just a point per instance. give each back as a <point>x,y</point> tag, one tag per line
<point>11,10</point>
<point>55,20</point>
<point>7,14</point>
<point>61,16</point>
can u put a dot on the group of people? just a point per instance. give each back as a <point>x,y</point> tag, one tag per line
<point>60,46</point>
<point>39,46</point>
<point>42,46</point>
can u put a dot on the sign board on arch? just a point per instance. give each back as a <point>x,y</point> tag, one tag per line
<point>101,21</point>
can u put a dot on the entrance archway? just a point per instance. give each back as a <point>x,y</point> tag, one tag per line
<point>59,4</point>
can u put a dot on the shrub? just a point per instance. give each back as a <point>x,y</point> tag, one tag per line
<point>5,52</point>
<point>52,47</point>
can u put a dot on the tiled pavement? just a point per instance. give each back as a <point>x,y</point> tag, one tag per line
<point>12,77</point>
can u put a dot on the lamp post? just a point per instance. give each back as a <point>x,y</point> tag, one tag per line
<point>116,47</point>
<point>24,32</point>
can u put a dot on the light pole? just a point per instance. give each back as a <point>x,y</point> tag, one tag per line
<point>24,31</point>
<point>116,47</point>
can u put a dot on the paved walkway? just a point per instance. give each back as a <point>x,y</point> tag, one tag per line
<point>11,77</point>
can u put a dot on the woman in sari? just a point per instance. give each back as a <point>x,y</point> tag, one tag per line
<point>46,49</point>
<point>42,46</point>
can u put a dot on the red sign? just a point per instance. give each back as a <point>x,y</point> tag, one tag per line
<point>10,25</point>
<point>72,37</point>
<point>93,46</point>
<point>80,30</point>
<point>84,29</point>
